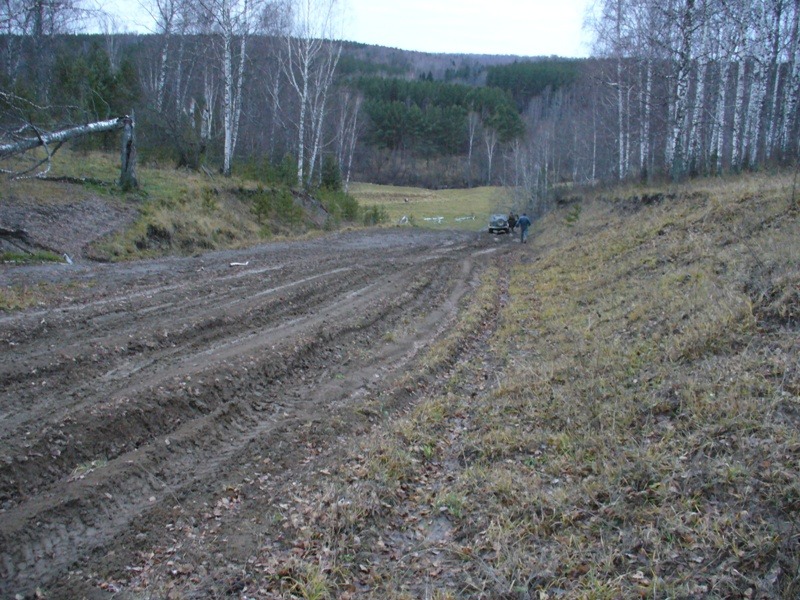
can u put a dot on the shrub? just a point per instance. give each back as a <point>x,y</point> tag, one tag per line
<point>283,173</point>
<point>375,215</point>
<point>276,204</point>
<point>331,174</point>
<point>339,204</point>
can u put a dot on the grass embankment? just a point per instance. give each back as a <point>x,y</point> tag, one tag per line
<point>183,212</point>
<point>627,423</point>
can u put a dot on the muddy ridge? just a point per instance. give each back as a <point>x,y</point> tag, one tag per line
<point>152,387</point>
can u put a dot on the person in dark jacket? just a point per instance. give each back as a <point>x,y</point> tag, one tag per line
<point>524,222</point>
<point>512,221</point>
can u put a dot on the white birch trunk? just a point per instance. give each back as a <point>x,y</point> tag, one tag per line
<point>696,147</point>
<point>352,139</point>
<point>231,19</point>
<point>44,139</point>
<point>473,120</point>
<point>227,93</point>
<point>771,106</point>
<point>301,125</point>
<point>161,84</point>
<point>753,128</point>
<point>341,128</point>
<point>627,161</point>
<point>679,124</point>
<point>791,87</point>
<point>304,69</point>
<point>490,140</point>
<point>297,66</point>
<point>324,80</point>
<point>237,97</point>
<point>275,92</point>
<point>180,89</point>
<point>646,91</point>
<point>738,118</point>
<point>620,123</point>
<point>697,154</point>
<point>317,118</point>
<point>720,113</point>
<point>618,50</point>
<point>207,114</point>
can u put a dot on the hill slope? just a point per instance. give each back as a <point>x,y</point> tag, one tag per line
<point>614,411</point>
<point>617,415</point>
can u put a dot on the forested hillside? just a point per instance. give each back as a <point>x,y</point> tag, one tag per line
<point>673,90</point>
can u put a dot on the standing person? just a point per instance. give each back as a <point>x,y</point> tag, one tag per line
<point>524,222</point>
<point>512,221</point>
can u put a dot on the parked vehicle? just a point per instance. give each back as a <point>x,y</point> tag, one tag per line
<point>499,224</point>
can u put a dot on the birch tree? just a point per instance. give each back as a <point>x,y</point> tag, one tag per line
<point>490,143</point>
<point>697,130</point>
<point>791,87</point>
<point>349,126</point>
<point>473,123</point>
<point>717,82</point>
<point>309,65</point>
<point>726,44</point>
<point>171,19</point>
<point>683,62</point>
<point>613,30</point>
<point>232,22</point>
<point>739,57</point>
<point>323,81</point>
<point>780,27</point>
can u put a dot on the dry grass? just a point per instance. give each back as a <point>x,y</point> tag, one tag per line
<point>180,211</point>
<point>627,423</point>
<point>19,297</point>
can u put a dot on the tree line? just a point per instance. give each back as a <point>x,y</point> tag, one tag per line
<point>701,86</point>
<point>674,88</point>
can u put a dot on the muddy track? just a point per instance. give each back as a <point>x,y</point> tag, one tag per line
<point>150,385</point>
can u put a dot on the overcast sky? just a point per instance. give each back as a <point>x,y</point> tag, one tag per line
<point>520,27</point>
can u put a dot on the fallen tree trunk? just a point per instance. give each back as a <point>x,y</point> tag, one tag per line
<point>127,178</point>
<point>43,139</point>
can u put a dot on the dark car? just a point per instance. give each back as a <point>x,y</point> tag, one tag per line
<point>499,224</point>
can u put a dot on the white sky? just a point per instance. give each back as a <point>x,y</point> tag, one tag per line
<point>520,27</point>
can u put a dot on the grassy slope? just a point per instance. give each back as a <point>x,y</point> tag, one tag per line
<point>627,423</point>
<point>180,211</point>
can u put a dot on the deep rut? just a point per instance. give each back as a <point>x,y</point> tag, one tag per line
<point>152,385</point>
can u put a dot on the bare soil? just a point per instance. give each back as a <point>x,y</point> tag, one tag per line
<point>63,227</point>
<point>189,395</point>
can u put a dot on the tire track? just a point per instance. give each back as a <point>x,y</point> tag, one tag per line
<point>158,423</point>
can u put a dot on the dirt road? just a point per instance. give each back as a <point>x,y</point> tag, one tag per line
<point>164,393</point>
